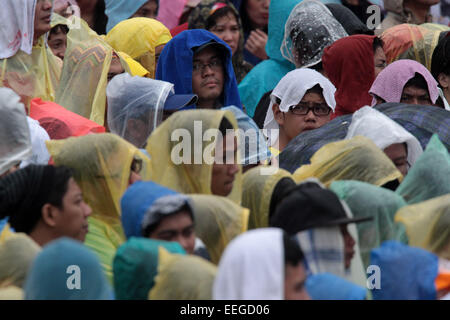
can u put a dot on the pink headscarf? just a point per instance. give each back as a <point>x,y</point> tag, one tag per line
<point>390,82</point>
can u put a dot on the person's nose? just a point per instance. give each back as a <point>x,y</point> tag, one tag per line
<point>47,5</point>
<point>310,115</point>
<point>183,242</point>
<point>227,36</point>
<point>87,210</point>
<point>233,169</point>
<point>207,70</point>
<point>266,4</point>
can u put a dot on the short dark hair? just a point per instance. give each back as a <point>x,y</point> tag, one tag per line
<point>60,27</point>
<point>417,81</point>
<point>377,43</point>
<point>293,254</point>
<point>219,13</point>
<point>440,61</point>
<point>60,186</point>
<point>151,228</point>
<point>316,89</point>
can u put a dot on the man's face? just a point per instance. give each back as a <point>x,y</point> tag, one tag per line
<point>208,77</point>
<point>43,13</point>
<point>115,68</point>
<point>223,173</point>
<point>177,227</point>
<point>293,124</point>
<point>349,244</point>
<point>71,219</point>
<point>399,155</point>
<point>415,95</point>
<point>148,10</point>
<point>379,60</point>
<point>58,43</point>
<point>294,282</point>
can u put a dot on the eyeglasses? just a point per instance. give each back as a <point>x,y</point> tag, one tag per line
<point>302,109</point>
<point>214,65</point>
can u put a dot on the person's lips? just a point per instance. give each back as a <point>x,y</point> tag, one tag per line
<point>47,18</point>
<point>265,16</point>
<point>86,228</point>
<point>211,84</point>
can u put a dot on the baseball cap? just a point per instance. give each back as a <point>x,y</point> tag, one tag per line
<point>178,101</point>
<point>309,205</point>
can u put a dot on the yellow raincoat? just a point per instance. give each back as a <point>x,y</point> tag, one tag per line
<point>218,220</point>
<point>101,165</point>
<point>354,159</point>
<point>182,277</point>
<point>410,41</point>
<point>257,194</point>
<point>428,225</point>
<point>186,129</point>
<point>138,37</point>
<point>32,76</point>
<point>16,257</point>
<point>84,77</point>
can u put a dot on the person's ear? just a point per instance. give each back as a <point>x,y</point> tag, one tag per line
<point>444,80</point>
<point>278,114</point>
<point>49,215</point>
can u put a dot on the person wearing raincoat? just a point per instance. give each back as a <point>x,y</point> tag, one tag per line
<point>143,39</point>
<point>405,81</point>
<point>222,19</point>
<point>120,10</point>
<point>89,64</point>
<point>399,145</point>
<point>352,64</point>
<point>27,65</point>
<point>262,264</point>
<point>381,204</point>
<point>181,149</point>
<point>429,176</point>
<point>104,166</point>
<point>427,225</point>
<point>355,159</point>
<point>441,71</point>
<point>49,276</point>
<point>153,211</point>
<point>182,277</point>
<point>136,106</point>
<point>217,222</point>
<point>262,192</point>
<point>265,76</point>
<point>183,63</point>
<point>135,266</point>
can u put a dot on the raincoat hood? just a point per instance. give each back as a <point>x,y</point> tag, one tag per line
<point>176,60</point>
<point>119,10</point>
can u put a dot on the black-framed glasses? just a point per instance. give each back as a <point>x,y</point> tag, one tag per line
<point>319,109</point>
<point>215,65</point>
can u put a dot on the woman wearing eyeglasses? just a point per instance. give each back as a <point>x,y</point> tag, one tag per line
<point>303,100</point>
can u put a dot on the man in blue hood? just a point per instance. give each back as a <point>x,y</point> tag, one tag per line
<point>198,62</point>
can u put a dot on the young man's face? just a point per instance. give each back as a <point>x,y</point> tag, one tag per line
<point>415,95</point>
<point>177,227</point>
<point>208,77</point>
<point>223,173</point>
<point>294,282</point>
<point>42,18</point>
<point>57,42</point>
<point>71,219</point>
<point>399,155</point>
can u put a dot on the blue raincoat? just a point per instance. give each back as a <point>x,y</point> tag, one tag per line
<point>138,198</point>
<point>176,60</point>
<point>406,273</point>
<point>327,286</point>
<point>266,75</point>
<point>119,10</point>
<point>67,270</point>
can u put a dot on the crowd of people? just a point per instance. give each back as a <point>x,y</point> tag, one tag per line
<point>223,149</point>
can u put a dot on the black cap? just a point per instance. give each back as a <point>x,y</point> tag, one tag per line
<point>308,206</point>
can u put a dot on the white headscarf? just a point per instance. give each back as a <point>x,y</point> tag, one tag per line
<point>15,143</point>
<point>383,131</point>
<point>16,27</point>
<point>290,90</point>
<point>252,267</point>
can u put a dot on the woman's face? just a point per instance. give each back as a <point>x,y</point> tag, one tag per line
<point>148,10</point>
<point>258,12</point>
<point>42,17</point>
<point>227,29</point>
